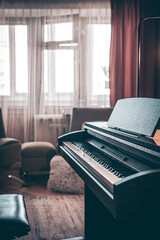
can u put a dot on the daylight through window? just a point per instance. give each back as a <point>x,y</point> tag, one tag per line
<point>74,58</point>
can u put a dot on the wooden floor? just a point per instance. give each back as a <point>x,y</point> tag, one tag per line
<point>51,215</point>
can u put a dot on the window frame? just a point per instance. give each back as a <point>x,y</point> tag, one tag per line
<point>80,50</point>
<point>19,98</point>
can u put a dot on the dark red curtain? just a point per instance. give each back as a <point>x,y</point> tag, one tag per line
<point>149,70</point>
<point>149,67</point>
<point>126,15</point>
<point>123,53</point>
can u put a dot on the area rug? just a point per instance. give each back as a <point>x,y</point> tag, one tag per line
<point>55,217</point>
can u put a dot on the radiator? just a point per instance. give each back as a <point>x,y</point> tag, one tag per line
<point>49,127</point>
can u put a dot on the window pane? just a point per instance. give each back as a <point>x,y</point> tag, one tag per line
<point>21,58</point>
<point>47,56</point>
<point>64,71</point>
<point>58,32</point>
<point>63,31</point>
<point>100,58</point>
<point>4,61</point>
<point>58,71</point>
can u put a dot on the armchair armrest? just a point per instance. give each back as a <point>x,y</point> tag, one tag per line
<point>10,152</point>
<point>6,141</point>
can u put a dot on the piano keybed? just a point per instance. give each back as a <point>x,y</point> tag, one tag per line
<point>113,166</point>
<point>101,166</point>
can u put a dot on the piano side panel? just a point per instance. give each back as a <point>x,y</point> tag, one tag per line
<point>101,225</point>
<point>99,222</point>
<point>138,195</point>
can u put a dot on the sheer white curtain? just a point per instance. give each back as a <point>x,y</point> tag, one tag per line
<point>52,57</point>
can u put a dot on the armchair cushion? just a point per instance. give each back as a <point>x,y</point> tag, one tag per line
<point>38,149</point>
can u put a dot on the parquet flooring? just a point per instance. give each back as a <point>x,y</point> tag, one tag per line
<point>52,215</point>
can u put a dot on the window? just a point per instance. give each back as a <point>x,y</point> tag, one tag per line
<point>21,59</point>
<point>13,60</point>
<point>100,58</point>
<point>4,61</point>
<point>71,58</point>
<point>64,60</point>
<point>59,61</point>
<point>55,32</point>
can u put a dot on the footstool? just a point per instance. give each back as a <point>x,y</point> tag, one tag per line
<point>36,156</point>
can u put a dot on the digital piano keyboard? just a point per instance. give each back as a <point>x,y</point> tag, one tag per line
<point>119,162</point>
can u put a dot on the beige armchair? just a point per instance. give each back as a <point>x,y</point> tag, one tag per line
<point>80,115</point>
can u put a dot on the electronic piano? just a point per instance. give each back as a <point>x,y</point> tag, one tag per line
<point>119,161</point>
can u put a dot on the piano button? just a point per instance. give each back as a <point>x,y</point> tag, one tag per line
<point>102,147</point>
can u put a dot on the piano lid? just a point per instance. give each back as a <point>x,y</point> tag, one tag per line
<point>136,115</point>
